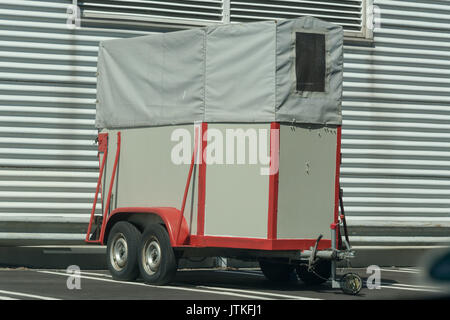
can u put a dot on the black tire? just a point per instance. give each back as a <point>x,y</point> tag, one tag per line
<point>322,272</point>
<point>277,271</point>
<point>156,257</point>
<point>122,255</point>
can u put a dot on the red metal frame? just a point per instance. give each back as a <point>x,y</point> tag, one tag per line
<point>202,183</point>
<point>177,226</point>
<point>170,217</point>
<point>336,181</point>
<point>102,148</point>
<point>111,184</point>
<point>256,243</point>
<point>273,180</point>
<point>188,182</point>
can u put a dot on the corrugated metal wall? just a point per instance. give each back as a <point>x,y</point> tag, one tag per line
<point>48,160</point>
<point>396,111</point>
<point>396,128</point>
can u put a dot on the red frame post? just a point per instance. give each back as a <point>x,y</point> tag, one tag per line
<point>102,148</point>
<point>202,182</point>
<point>273,180</point>
<point>188,182</point>
<point>111,184</point>
<point>337,185</point>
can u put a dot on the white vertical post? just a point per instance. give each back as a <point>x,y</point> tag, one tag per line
<point>334,282</point>
<point>73,20</point>
<point>225,11</point>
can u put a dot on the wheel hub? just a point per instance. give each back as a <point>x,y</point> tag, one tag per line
<point>119,252</point>
<point>152,256</point>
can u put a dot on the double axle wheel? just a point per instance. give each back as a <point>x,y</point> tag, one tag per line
<point>157,262</point>
<point>149,255</point>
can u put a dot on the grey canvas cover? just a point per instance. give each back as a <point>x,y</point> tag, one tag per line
<point>248,72</point>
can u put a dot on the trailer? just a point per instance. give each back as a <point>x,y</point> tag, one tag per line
<point>223,141</point>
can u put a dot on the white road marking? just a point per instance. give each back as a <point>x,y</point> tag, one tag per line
<point>416,286</point>
<point>241,272</point>
<point>160,287</point>
<point>405,271</point>
<point>27,295</point>
<point>277,295</point>
<point>96,274</point>
<point>408,287</point>
<point>411,269</point>
<point>261,293</point>
<point>7,298</point>
<point>232,289</point>
<point>398,286</point>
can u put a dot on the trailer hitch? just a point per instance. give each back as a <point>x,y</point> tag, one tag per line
<point>312,258</point>
<point>350,283</point>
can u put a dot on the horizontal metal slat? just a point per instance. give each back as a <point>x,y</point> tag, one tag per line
<point>394,124</point>
<point>348,14</point>
<point>163,8</point>
<point>56,132</point>
<point>366,59</point>
<point>367,142</point>
<point>387,210</point>
<point>393,152</point>
<point>4,109</point>
<point>402,5</point>
<point>395,183</point>
<point>46,120</point>
<point>396,172</point>
<point>30,163</point>
<point>46,152</point>
<point>54,185</point>
<point>60,174</point>
<point>414,24</point>
<point>412,117</point>
<point>351,191</point>
<point>164,12</point>
<point>12,76</point>
<point>44,195</point>
<point>399,107</point>
<point>27,4</point>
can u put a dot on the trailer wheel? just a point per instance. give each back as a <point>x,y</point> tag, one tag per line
<point>157,261</point>
<point>321,273</point>
<point>277,271</point>
<point>122,245</point>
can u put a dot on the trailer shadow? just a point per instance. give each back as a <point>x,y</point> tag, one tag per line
<point>255,281</point>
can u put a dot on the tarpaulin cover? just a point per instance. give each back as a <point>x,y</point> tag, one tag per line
<point>283,71</point>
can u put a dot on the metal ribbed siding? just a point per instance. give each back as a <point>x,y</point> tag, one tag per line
<point>396,109</point>
<point>348,13</point>
<point>185,12</point>
<point>48,163</point>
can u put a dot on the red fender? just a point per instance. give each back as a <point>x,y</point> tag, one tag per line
<point>170,216</point>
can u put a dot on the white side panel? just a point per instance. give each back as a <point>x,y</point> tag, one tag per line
<point>237,195</point>
<point>306,187</point>
<point>146,175</point>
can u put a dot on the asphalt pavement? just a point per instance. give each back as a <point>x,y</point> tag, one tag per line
<point>204,284</point>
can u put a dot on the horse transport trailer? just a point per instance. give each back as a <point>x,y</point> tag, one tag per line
<point>222,141</point>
